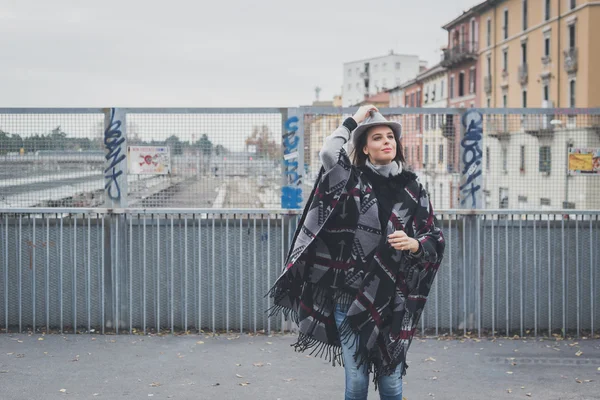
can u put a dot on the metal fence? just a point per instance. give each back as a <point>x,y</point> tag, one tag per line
<point>268,158</point>
<point>529,273</point>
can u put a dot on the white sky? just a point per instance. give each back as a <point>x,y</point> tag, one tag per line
<point>195,53</point>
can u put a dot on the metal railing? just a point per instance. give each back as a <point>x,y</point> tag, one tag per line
<point>530,273</point>
<point>460,53</point>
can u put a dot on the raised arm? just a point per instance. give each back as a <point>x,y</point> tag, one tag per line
<point>330,152</point>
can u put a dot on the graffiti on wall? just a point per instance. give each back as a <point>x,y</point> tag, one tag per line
<point>112,141</point>
<point>291,191</point>
<point>470,190</point>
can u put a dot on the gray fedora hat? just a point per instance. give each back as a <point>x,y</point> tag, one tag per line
<point>375,119</point>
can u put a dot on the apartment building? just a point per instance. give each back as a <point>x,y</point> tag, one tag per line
<point>367,77</point>
<point>539,54</point>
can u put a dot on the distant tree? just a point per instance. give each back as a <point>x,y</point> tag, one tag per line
<point>205,145</point>
<point>262,140</point>
<point>175,144</point>
<point>220,150</point>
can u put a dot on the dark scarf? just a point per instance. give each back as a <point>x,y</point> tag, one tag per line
<point>339,253</point>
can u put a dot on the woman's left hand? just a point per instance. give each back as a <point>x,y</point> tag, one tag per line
<point>399,240</point>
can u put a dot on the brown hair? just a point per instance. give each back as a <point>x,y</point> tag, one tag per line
<point>359,158</point>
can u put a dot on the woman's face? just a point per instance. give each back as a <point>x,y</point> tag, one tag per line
<point>381,145</point>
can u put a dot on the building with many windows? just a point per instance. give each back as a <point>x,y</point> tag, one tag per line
<point>365,78</point>
<point>539,54</point>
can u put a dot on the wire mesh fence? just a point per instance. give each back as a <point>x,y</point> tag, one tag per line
<point>235,158</point>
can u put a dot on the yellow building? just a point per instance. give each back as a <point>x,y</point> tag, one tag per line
<point>539,53</point>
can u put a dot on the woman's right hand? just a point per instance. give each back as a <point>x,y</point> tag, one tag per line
<point>363,113</point>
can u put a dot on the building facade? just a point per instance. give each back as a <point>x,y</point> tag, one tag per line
<point>539,54</point>
<point>412,124</point>
<point>365,78</point>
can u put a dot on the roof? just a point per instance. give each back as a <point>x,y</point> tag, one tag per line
<point>380,97</point>
<point>470,12</point>
<point>436,69</point>
<point>385,56</point>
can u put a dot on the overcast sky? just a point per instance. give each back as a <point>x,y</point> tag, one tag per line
<point>195,53</point>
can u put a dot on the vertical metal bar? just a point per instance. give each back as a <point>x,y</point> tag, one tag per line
<point>564,291</point>
<point>131,274</point>
<point>577,273</point>
<point>437,293</point>
<point>102,295</point>
<point>6,272</point>
<point>89,273</point>
<point>158,263</point>
<point>478,265</point>
<point>144,270</point>
<point>591,278</point>
<point>549,282</point>
<point>269,267</point>
<point>521,270</point>
<point>33,276</point>
<point>48,274</point>
<point>254,277</point>
<point>241,276</point>
<point>20,273</point>
<point>493,278</point>
<point>507,293</point>
<point>227,273</point>
<point>464,251</point>
<point>450,271</point>
<point>535,284</point>
<point>185,274</point>
<point>60,283</point>
<point>115,276</point>
<point>75,273</point>
<point>200,272</point>
<point>213,275</point>
<point>172,278</point>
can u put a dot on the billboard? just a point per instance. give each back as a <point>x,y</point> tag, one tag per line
<point>584,161</point>
<point>149,160</point>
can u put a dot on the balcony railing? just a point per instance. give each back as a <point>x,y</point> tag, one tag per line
<point>462,52</point>
<point>487,84</point>
<point>571,60</point>
<point>523,74</point>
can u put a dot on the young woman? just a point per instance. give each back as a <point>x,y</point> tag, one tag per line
<point>363,258</point>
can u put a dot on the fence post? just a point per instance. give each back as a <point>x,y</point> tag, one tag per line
<point>115,196</point>
<point>293,158</point>
<point>470,195</point>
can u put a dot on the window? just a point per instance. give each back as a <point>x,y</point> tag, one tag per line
<point>461,84</point>
<point>397,65</point>
<point>472,33</point>
<point>384,83</point>
<point>545,159</point>
<point>547,10</point>
<point>358,86</point>
<point>452,87</point>
<point>572,93</point>
<point>524,53</point>
<point>522,163</point>
<point>573,4</point>
<point>505,159</point>
<point>505,27</point>
<point>426,122</point>
<point>375,68</point>
<point>440,154</point>
<point>489,33</point>
<point>472,80</point>
<point>462,35</point>
<point>433,121</point>
<point>426,154</point>
<point>505,61</point>
<point>544,201</point>
<point>572,36</point>
<point>349,72</point>
<point>487,158</point>
<point>406,101</point>
<point>418,104</point>
<point>547,47</point>
<point>489,102</point>
<point>489,65</point>
<point>546,92</point>
<point>442,90</point>
<point>418,153</point>
<point>524,96</point>
<point>349,86</point>
<point>384,67</point>
<point>433,93</point>
<point>504,101</point>
<point>524,15</point>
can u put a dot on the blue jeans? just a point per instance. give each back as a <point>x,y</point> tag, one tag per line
<point>357,380</point>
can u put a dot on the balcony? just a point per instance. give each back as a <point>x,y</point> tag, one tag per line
<point>498,128</point>
<point>571,60</point>
<point>523,74</point>
<point>487,84</point>
<point>538,125</point>
<point>466,51</point>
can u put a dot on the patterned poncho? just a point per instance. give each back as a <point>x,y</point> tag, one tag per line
<point>339,253</point>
